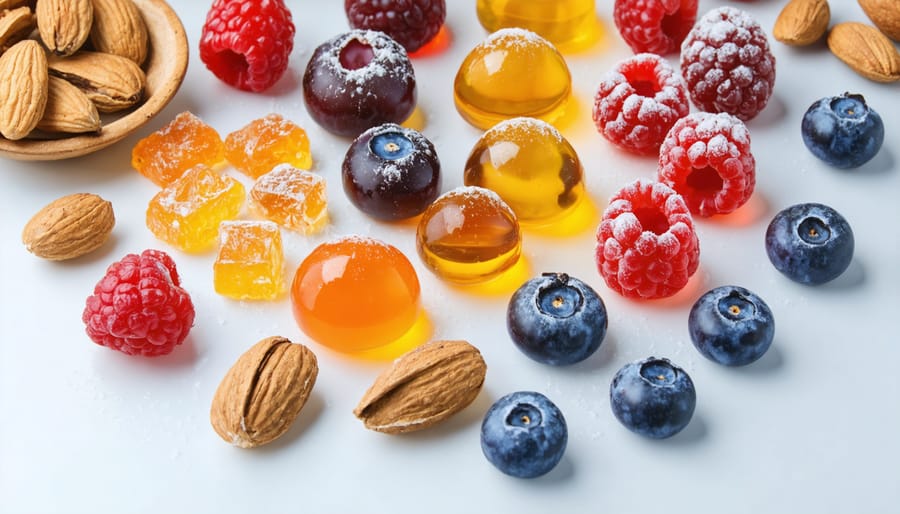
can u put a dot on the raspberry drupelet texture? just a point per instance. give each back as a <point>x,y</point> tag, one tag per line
<point>727,64</point>
<point>247,44</point>
<point>706,158</point>
<point>655,26</point>
<point>646,244</point>
<point>139,307</point>
<point>412,23</point>
<point>638,102</point>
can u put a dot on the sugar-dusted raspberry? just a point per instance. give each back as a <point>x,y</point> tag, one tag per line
<point>646,244</point>
<point>727,63</point>
<point>139,307</point>
<point>412,23</point>
<point>706,158</point>
<point>655,26</point>
<point>247,44</point>
<point>638,102</point>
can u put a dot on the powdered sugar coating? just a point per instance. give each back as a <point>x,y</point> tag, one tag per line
<point>727,63</point>
<point>293,198</point>
<point>655,26</point>
<point>627,116</point>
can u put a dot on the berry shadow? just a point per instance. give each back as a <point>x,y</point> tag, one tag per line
<point>755,210</point>
<point>601,359</point>
<point>694,433</point>
<point>563,471</point>
<point>774,113</point>
<point>854,277</point>
<point>311,411</point>
<point>883,163</point>
<point>771,362</point>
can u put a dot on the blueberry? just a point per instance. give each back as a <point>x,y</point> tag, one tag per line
<point>391,172</point>
<point>731,325</point>
<point>810,243</point>
<point>842,130</point>
<point>653,397</point>
<point>524,434</point>
<point>556,319</point>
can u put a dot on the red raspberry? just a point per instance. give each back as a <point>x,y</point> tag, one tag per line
<point>728,65</point>
<point>706,158</point>
<point>656,26</point>
<point>646,244</point>
<point>138,307</point>
<point>638,102</point>
<point>247,43</point>
<point>412,23</point>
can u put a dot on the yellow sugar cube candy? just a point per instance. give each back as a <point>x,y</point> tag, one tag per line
<point>267,142</point>
<point>292,198</point>
<point>250,264</point>
<point>186,213</point>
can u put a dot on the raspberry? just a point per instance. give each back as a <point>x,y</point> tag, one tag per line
<point>412,23</point>
<point>706,158</point>
<point>638,102</point>
<point>138,307</point>
<point>655,26</point>
<point>247,44</point>
<point>727,64</point>
<point>646,244</point>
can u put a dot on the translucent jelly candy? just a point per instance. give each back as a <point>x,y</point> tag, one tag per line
<point>468,235</point>
<point>355,293</point>
<point>250,264</point>
<point>531,166</point>
<point>183,143</point>
<point>293,198</point>
<point>497,80</point>
<point>560,21</point>
<point>267,142</point>
<point>186,213</point>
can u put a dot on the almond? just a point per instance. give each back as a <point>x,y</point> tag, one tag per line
<point>68,110</point>
<point>865,49</point>
<point>12,4</point>
<point>64,25</point>
<point>69,227</point>
<point>15,25</point>
<point>119,29</point>
<point>423,387</point>
<point>802,22</point>
<point>263,392</point>
<point>23,88</point>
<point>112,82</point>
<point>885,14</point>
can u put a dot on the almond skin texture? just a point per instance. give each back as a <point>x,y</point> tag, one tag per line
<point>112,82</point>
<point>423,387</point>
<point>885,14</point>
<point>64,25</point>
<point>69,227</point>
<point>69,110</point>
<point>15,25</point>
<point>865,49</point>
<point>120,29</point>
<point>263,392</point>
<point>23,88</point>
<point>802,22</point>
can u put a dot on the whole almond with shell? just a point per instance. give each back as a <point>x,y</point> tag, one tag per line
<point>68,110</point>
<point>64,25</point>
<point>865,49</point>
<point>885,14</point>
<point>263,392</point>
<point>69,227</point>
<point>120,29</point>
<point>802,22</point>
<point>15,25</point>
<point>112,82</point>
<point>23,88</point>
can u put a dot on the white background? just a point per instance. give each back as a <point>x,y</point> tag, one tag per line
<point>812,427</point>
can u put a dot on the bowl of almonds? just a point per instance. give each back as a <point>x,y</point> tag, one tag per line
<point>79,75</point>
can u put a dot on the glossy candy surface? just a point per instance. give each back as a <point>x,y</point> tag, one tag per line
<point>355,293</point>
<point>531,166</point>
<point>250,262</point>
<point>295,199</point>
<point>468,235</point>
<point>560,21</point>
<point>496,81</point>
<point>267,142</point>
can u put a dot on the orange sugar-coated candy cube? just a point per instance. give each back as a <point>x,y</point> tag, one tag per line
<point>250,264</point>
<point>292,198</point>
<point>186,213</point>
<point>266,142</point>
<point>183,143</point>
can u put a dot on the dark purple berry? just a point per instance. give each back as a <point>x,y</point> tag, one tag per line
<point>412,23</point>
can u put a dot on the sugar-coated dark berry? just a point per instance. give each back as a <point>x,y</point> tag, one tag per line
<point>556,319</point>
<point>810,243</point>
<point>842,130</point>
<point>655,26</point>
<point>358,80</point>
<point>412,23</point>
<point>653,397</point>
<point>247,44</point>
<point>731,325</point>
<point>524,434</point>
<point>391,172</point>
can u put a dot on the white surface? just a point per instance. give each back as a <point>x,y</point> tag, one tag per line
<point>812,427</point>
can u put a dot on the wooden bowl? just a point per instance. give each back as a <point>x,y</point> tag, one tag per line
<point>165,68</point>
